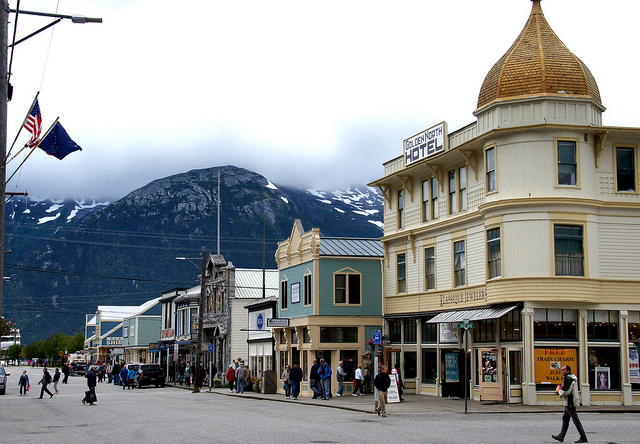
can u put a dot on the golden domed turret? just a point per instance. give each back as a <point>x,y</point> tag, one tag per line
<point>538,64</point>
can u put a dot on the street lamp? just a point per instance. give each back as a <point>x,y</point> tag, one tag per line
<point>196,388</point>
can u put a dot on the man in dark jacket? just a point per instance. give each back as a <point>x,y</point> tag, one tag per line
<point>91,383</point>
<point>314,379</point>
<point>382,383</point>
<point>66,370</point>
<point>116,373</point>
<point>569,393</point>
<point>296,377</point>
<point>45,381</point>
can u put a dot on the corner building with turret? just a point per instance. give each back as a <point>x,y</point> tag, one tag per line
<point>511,246</point>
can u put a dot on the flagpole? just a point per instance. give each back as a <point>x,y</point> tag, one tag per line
<point>20,130</point>
<point>4,89</point>
<point>32,150</point>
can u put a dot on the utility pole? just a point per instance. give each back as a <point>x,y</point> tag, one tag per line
<point>4,89</point>
<point>196,387</point>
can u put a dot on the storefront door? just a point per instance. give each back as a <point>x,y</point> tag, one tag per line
<point>452,364</point>
<point>490,374</point>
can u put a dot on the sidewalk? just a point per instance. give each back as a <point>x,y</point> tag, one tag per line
<point>414,404</point>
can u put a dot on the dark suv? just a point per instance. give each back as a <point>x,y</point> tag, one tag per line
<point>149,374</point>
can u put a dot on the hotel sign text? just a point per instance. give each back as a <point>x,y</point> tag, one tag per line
<point>425,144</point>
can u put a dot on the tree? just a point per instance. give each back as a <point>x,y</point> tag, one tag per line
<point>15,351</point>
<point>5,326</point>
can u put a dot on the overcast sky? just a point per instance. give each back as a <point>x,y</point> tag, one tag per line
<point>313,94</point>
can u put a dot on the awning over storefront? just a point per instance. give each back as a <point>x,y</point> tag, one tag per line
<point>472,315</point>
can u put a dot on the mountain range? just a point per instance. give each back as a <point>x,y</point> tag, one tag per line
<point>67,257</point>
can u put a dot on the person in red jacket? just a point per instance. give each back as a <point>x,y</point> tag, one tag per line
<point>231,377</point>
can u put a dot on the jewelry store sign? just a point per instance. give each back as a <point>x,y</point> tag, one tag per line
<point>425,144</point>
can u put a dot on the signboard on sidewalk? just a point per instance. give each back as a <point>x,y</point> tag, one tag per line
<point>634,366</point>
<point>392,393</point>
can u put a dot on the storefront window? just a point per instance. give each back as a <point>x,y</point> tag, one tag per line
<point>305,364</point>
<point>510,326</point>
<point>634,325</point>
<point>555,324</point>
<point>395,329</point>
<point>485,330</point>
<point>283,338</point>
<point>429,366</point>
<point>515,366</point>
<point>604,368</point>
<point>410,331</point>
<point>410,365</point>
<point>338,334</point>
<point>429,331</point>
<point>294,336</point>
<point>602,325</point>
<point>306,338</point>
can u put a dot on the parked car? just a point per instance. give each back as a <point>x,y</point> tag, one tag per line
<point>80,369</point>
<point>3,380</point>
<point>149,374</point>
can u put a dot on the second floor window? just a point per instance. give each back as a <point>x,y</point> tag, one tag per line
<point>625,170</point>
<point>459,263</point>
<point>347,288</point>
<point>430,268</point>
<point>307,289</point>
<point>567,163</point>
<point>569,253</point>
<point>425,200</point>
<point>462,188</point>
<point>493,253</point>
<point>401,209</point>
<point>452,192</point>
<point>434,198</point>
<point>284,294</point>
<point>402,273</point>
<point>490,156</point>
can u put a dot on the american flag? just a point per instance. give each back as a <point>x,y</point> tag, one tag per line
<point>34,124</point>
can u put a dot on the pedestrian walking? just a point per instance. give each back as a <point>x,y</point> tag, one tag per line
<point>358,381</point>
<point>45,381</point>
<point>314,379</point>
<point>286,379</point>
<point>340,374</point>
<point>295,375</point>
<point>187,375</point>
<point>571,397</point>
<point>56,379</point>
<point>24,383</point>
<point>66,369</point>
<point>131,379</point>
<point>231,377</point>
<point>90,396</point>
<point>399,383</point>
<point>123,375</point>
<point>241,377</point>
<point>202,375</point>
<point>181,369</point>
<point>109,371</point>
<point>382,382</point>
<point>325,378</point>
<point>116,374</point>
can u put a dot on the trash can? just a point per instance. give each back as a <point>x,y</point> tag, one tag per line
<point>269,382</point>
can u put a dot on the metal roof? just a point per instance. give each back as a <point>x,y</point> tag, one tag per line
<point>472,315</point>
<point>249,283</point>
<point>335,246</point>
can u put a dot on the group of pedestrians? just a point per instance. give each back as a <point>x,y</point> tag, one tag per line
<point>238,374</point>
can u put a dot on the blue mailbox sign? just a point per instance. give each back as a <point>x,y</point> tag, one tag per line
<point>377,337</point>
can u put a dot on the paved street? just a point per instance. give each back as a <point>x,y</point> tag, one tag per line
<point>174,414</point>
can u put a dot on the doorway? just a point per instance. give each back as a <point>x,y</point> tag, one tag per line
<point>491,374</point>
<point>452,377</point>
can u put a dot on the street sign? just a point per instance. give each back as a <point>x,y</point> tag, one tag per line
<point>466,324</point>
<point>61,353</point>
<point>277,322</point>
<point>210,348</point>
<point>377,337</point>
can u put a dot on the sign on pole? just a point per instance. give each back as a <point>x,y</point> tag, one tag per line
<point>377,337</point>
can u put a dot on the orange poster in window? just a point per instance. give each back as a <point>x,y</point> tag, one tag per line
<point>549,362</point>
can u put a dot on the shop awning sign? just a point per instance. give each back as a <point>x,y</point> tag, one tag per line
<point>425,144</point>
<point>277,322</point>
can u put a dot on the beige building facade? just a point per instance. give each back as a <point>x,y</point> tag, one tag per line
<point>525,223</point>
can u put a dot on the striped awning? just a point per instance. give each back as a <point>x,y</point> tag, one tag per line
<point>472,315</point>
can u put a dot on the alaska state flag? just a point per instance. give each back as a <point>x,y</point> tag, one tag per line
<point>58,143</point>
